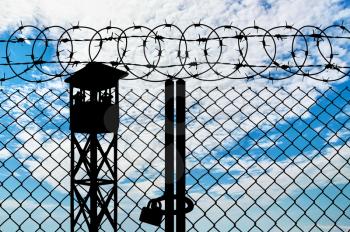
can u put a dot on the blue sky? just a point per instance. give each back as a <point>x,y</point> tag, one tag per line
<point>239,150</point>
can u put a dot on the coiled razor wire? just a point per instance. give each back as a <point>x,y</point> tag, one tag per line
<point>166,51</point>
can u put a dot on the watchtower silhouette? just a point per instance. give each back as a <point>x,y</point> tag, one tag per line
<point>94,111</point>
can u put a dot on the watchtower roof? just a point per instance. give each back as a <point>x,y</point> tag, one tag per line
<point>96,76</point>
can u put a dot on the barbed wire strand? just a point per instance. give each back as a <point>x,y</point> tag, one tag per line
<point>271,67</point>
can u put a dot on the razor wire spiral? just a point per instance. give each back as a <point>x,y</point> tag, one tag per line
<point>166,51</point>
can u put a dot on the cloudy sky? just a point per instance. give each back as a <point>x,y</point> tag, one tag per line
<point>224,154</point>
<point>242,14</point>
<point>213,12</point>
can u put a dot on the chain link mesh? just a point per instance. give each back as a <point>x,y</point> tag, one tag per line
<point>267,159</point>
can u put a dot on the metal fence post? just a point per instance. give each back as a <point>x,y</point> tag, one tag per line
<point>180,155</point>
<point>169,155</point>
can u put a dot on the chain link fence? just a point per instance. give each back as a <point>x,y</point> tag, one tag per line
<point>267,159</point>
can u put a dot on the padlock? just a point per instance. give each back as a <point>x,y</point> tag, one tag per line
<point>152,214</point>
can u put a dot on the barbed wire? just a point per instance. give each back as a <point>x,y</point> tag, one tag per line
<point>166,51</point>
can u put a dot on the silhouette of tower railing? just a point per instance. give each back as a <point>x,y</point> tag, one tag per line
<point>93,112</point>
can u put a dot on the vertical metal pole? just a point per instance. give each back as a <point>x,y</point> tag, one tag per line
<point>169,156</point>
<point>93,184</point>
<point>115,170</point>
<point>72,170</point>
<point>180,155</point>
<point>93,175</point>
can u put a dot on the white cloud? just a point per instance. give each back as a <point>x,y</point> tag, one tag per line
<point>13,204</point>
<point>4,154</point>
